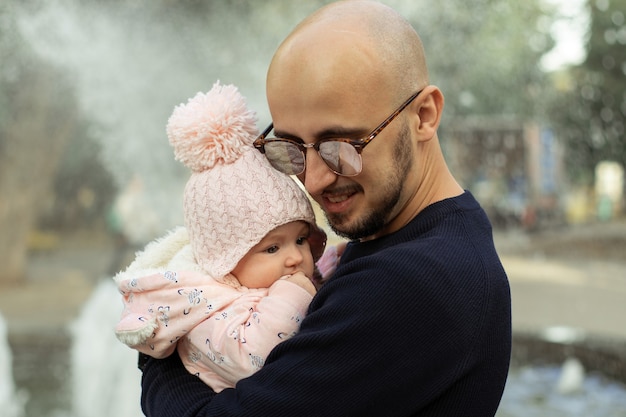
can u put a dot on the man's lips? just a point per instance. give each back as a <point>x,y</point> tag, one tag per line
<point>337,202</point>
<point>337,198</point>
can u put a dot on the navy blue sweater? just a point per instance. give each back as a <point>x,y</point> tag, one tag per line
<point>417,323</point>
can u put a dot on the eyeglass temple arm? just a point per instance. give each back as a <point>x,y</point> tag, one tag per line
<point>259,142</point>
<point>266,131</point>
<point>359,145</point>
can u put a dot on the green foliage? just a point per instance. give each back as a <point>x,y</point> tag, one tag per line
<point>485,55</point>
<point>590,115</point>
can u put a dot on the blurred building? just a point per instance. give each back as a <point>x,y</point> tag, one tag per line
<point>513,168</point>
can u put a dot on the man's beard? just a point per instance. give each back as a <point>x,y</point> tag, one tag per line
<point>379,216</point>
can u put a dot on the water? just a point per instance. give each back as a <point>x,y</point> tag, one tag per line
<point>11,401</point>
<point>97,377</point>
<point>105,381</point>
<point>90,375</point>
<point>534,392</point>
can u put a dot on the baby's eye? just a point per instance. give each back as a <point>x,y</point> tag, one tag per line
<point>272,249</point>
<point>301,240</point>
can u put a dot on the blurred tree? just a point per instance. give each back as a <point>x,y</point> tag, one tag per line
<point>590,114</point>
<point>485,55</point>
<point>83,188</point>
<point>39,115</point>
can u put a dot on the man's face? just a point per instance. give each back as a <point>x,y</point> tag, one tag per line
<point>360,206</point>
<point>317,93</point>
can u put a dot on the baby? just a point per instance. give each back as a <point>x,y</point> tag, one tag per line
<point>236,280</point>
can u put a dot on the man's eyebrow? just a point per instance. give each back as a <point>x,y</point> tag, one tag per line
<point>282,135</point>
<point>331,132</point>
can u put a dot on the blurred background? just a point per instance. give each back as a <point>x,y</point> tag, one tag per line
<point>534,126</point>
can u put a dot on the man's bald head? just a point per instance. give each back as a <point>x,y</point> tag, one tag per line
<point>356,44</point>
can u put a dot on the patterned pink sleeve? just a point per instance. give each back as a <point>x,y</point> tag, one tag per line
<point>161,308</point>
<point>235,342</point>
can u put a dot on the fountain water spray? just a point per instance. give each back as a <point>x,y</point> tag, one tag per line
<point>11,401</point>
<point>105,379</point>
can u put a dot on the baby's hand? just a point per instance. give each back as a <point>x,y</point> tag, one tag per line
<point>302,280</point>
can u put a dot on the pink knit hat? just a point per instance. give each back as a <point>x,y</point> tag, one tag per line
<point>234,197</point>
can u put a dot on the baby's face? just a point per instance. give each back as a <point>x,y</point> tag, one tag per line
<point>283,251</point>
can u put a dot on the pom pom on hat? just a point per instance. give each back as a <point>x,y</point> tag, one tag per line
<point>234,197</point>
<point>211,128</point>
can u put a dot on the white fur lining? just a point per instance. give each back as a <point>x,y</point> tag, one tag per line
<point>137,336</point>
<point>170,252</point>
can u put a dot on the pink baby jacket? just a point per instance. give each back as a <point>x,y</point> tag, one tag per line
<point>222,330</point>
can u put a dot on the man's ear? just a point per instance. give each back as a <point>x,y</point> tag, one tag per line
<point>429,110</point>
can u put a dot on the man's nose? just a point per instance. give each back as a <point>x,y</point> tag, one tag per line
<point>317,175</point>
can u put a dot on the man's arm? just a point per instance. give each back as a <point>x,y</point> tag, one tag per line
<point>168,381</point>
<point>386,342</point>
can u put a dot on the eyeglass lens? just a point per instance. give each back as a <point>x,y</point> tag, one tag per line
<point>287,157</point>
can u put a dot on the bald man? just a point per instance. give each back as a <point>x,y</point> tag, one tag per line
<point>416,319</point>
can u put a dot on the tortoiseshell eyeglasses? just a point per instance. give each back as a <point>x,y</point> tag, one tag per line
<point>341,155</point>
